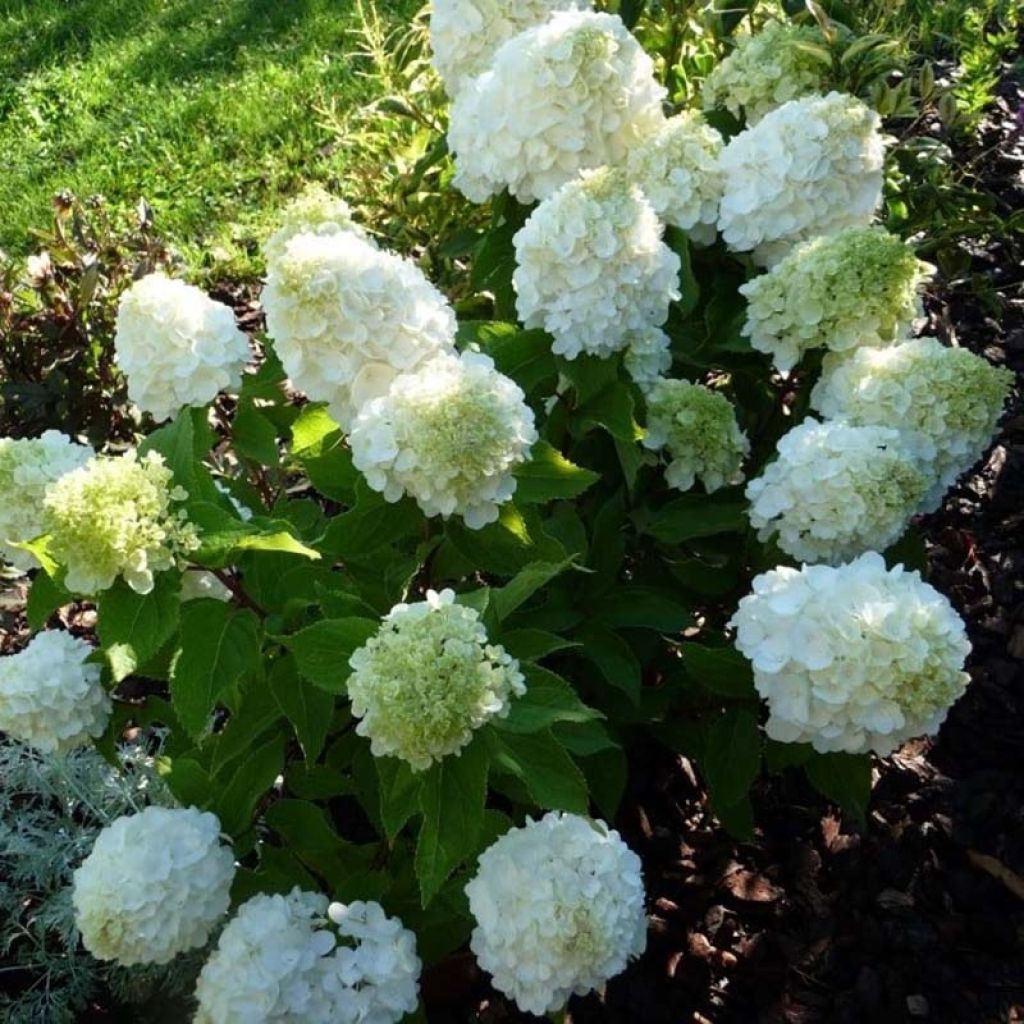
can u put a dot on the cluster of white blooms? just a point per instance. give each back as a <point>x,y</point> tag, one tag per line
<point>155,885</point>
<point>346,318</point>
<point>854,658</point>
<point>313,212</point>
<point>176,345</point>
<point>811,167</point>
<point>837,490</point>
<point>648,355</point>
<point>279,962</point>
<point>780,63</point>
<point>698,428</point>
<point>465,34</point>
<point>116,517</point>
<point>858,287</point>
<point>27,468</point>
<point>428,679</point>
<point>677,169</point>
<point>449,435</point>
<point>591,266</point>
<point>945,401</point>
<point>575,93</point>
<point>49,697</point>
<point>559,909</point>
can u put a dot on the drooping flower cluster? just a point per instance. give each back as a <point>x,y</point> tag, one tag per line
<point>116,517</point>
<point>346,318</point>
<point>591,266</point>
<point>858,287</point>
<point>677,169</point>
<point>313,212</point>
<point>27,468</point>
<point>811,167</point>
<point>279,961</point>
<point>648,355</point>
<point>698,429</point>
<point>449,435</point>
<point>835,491</point>
<point>945,401</point>
<point>428,679</point>
<point>577,92</point>
<point>854,658</point>
<point>559,909</point>
<point>155,885</point>
<point>465,34</point>
<point>49,697</point>
<point>782,62</point>
<point>176,345</point>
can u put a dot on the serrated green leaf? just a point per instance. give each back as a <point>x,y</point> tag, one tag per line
<point>322,650</point>
<point>642,607</point>
<point>318,444</point>
<point>505,600</point>
<point>138,625</point>
<point>308,708</point>
<point>693,515</point>
<point>399,791</point>
<point>548,699</point>
<point>254,435</point>
<point>217,647</point>
<point>371,525</point>
<point>541,763</point>
<point>534,644</point>
<point>732,757</point>
<point>252,778</point>
<point>721,670</point>
<point>613,657</point>
<point>45,596</point>
<point>525,356</point>
<point>844,778</point>
<point>549,475</point>
<point>223,538</point>
<point>452,797</point>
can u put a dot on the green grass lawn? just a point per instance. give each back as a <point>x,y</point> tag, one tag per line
<point>205,107</point>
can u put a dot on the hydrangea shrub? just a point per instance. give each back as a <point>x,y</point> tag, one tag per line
<point>403,578</point>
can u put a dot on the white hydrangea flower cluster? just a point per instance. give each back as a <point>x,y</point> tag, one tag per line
<point>155,885</point>
<point>854,658</point>
<point>113,517</point>
<point>27,467</point>
<point>591,266</point>
<point>176,345</point>
<point>314,211</point>
<point>677,169</point>
<point>648,355</point>
<point>465,34</point>
<point>559,909</point>
<point>698,428</point>
<point>861,286</point>
<point>428,679</point>
<point>810,167</point>
<point>346,318</point>
<point>836,490</point>
<point>577,92</point>
<point>279,962</point>
<point>945,401</point>
<point>49,697</point>
<point>449,435</point>
<point>767,69</point>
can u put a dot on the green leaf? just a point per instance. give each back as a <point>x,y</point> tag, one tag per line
<point>183,443</point>
<point>371,525</point>
<point>642,607</point>
<point>253,777</point>
<point>399,789</point>
<point>589,375</point>
<point>138,624</point>
<point>508,545</point>
<point>780,756</point>
<point>844,778</point>
<point>452,801</point>
<point>223,538</point>
<point>695,515</point>
<point>613,411</point>
<point>45,596</point>
<point>318,444</point>
<point>732,758</point>
<point>613,657</point>
<point>253,711</point>
<point>550,475</point>
<point>307,707</point>
<point>548,699</point>
<point>254,435</point>
<point>187,780</point>
<point>606,774</point>
<point>525,356</point>
<point>534,644</point>
<point>505,600</point>
<point>323,650</point>
<point>541,763</point>
<point>722,670</point>
<point>218,646</point>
